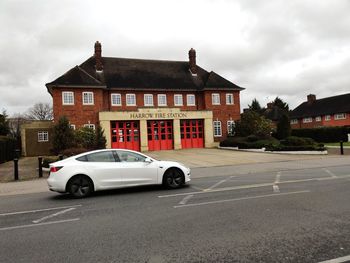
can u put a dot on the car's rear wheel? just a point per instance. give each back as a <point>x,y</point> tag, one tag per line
<point>173,178</point>
<point>80,186</point>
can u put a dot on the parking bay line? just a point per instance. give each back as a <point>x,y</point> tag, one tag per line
<point>39,224</point>
<point>337,260</point>
<point>329,172</point>
<point>53,215</point>
<point>241,198</point>
<point>254,186</point>
<point>38,210</point>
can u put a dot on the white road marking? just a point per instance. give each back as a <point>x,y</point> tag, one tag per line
<point>240,199</point>
<point>337,260</point>
<point>186,199</point>
<point>197,188</point>
<point>329,172</point>
<point>38,210</point>
<point>275,188</point>
<point>40,224</point>
<point>215,185</point>
<point>278,176</point>
<point>53,215</point>
<point>254,186</point>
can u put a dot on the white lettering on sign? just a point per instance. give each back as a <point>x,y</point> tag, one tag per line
<point>171,115</point>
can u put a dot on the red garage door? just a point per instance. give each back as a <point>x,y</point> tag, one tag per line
<point>160,135</point>
<point>125,135</point>
<point>191,134</point>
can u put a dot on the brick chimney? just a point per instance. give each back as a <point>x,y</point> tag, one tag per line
<point>311,98</point>
<point>192,61</point>
<point>98,56</point>
<point>270,105</point>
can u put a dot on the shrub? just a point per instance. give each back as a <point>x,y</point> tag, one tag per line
<point>73,151</point>
<point>48,160</point>
<point>324,134</point>
<point>297,141</point>
<point>283,127</point>
<point>85,138</point>
<point>252,123</point>
<point>63,136</point>
<point>249,142</point>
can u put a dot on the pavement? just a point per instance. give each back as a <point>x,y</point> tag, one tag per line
<point>197,159</point>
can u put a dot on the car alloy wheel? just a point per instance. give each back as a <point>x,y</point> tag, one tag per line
<point>174,178</point>
<point>80,186</point>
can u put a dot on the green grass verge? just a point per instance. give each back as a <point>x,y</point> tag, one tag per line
<point>336,144</point>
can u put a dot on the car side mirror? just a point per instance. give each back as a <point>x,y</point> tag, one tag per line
<point>148,160</point>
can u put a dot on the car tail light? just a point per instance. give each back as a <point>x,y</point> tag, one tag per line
<point>55,169</point>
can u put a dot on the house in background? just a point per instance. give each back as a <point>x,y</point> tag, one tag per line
<point>330,111</point>
<point>147,104</point>
<point>36,137</point>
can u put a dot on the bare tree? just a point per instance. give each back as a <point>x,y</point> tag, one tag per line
<point>40,111</point>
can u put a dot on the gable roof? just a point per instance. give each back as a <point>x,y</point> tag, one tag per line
<point>76,76</point>
<point>142,74</point>
<point>325,106</point>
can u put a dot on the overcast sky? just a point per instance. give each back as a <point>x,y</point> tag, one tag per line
<point>272,48</point>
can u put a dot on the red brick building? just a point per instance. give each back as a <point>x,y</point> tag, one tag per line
<point>330,111</point>
<point>147,104</point>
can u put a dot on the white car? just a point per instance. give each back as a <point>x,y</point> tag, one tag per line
<point>82,174</point>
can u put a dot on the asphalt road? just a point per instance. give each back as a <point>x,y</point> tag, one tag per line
<point>296,215</point>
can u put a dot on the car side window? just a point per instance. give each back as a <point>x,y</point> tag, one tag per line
<point>106,156</point>
<point>125,156</point>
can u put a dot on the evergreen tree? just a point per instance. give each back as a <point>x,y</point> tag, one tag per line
<point>281,104</point>
<point>255,106</point>
<point>252,123</point>
<point>63,136</point>
<point>283,127</point>
<point>4,124</point>
<point>100,141</point>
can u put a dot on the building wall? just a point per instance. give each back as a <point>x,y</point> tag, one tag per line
<point>78,114</point>
<point>29,137</point>
<point>323,123</point>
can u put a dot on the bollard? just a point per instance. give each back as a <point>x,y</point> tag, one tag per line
<point>60,157</point>
<point>15,162</point>
<point>40,164</point>
<point>341,148</point>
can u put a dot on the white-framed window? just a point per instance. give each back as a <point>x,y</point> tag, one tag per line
<point>215,98</point>
<point>217,128</point>
<point>191,100</point>
<point>340,116</point>
<point>148,99</point>
<point>72,126</point>
<point>178,101</point>
<point>67,98</point>
<point>130,100</point>
<point>327,117</point>
<point>162,100</point>
<point>318,118</point>
<point>43,136</point>
<point>229,99</point>
<point>294,121</point>
<point>307,119</point>
<point>116,99</point>
<point>88,98</point>
<point>230,127</point>
<point>91,126</point>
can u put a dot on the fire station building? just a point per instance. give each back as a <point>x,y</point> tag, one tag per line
<point>147,105</point>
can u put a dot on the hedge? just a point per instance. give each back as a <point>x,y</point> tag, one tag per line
<point>7,149</point>
<point>324,134</point>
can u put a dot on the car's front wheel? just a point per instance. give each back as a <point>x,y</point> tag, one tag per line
<point>173,178</point>
<point>80,186</point>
